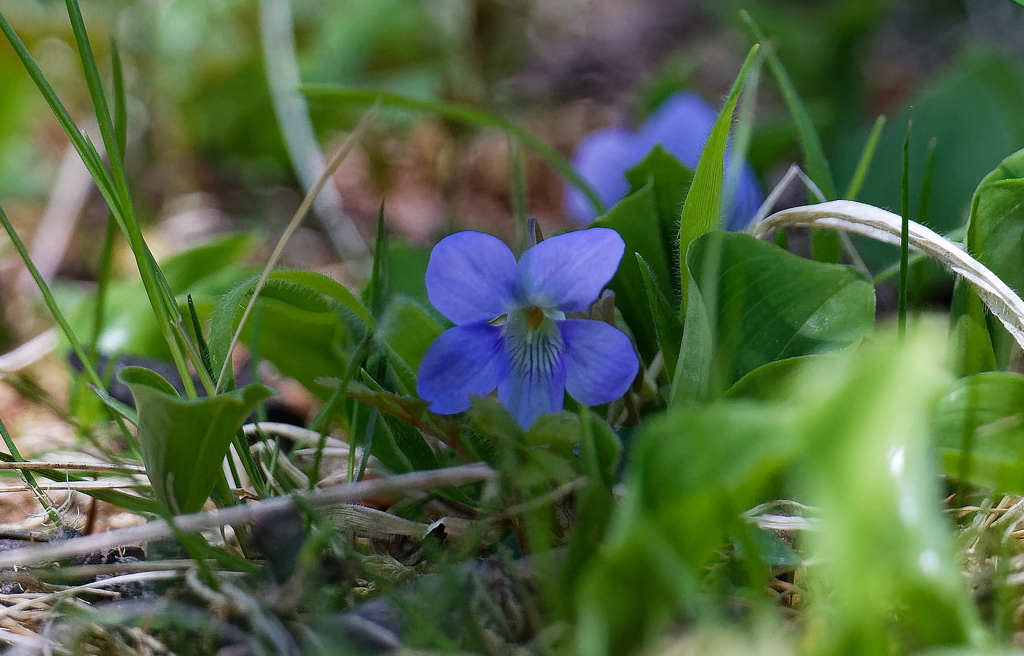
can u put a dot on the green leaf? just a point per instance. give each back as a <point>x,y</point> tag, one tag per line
<point>403,448</point>
<point>980,431</point>
<point>995,235</point>
<point>206,271</point>
<point>815,163</point>
<point>867,417</point>
<point>377,291</point>
<point>772,381</point>
<point>636,219</point>
<point>404,332</point>
<point>702,209</point>
<point>666,320</point>
<point>184,441</point>
<point>692,472</point>
<point>303,326</point>
<point>670,181</point>
<point>755,303</point>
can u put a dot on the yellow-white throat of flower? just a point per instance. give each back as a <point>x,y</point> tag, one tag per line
<point>532,340</point>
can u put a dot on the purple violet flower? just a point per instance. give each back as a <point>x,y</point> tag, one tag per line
<point>681,125</point>
<point>511,332</point>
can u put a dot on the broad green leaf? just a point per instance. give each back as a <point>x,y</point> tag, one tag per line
<point>636,219</point>
<point>408,278</point>
<point>981,431</point>
<point>772,381</point>
<point>867,419</point>
<point>972,348</point>
<point>995,234</point>
<point>756,303</point>
<point>405,331</point>
<point>304,321</point>
<point>670,181</point>
<point>702,209</point>
<point>692,472</point>
<point>184,441</point>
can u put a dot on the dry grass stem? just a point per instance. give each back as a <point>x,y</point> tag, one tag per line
<point>874,222</point>
<point>249,512</point>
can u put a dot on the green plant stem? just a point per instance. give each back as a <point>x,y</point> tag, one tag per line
<point>322,421</point>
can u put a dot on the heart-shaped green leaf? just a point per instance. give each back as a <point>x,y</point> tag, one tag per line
<point>752,303</point>
<point>184,441</point>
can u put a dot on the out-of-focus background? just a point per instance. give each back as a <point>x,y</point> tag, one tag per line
<point>206,153</point>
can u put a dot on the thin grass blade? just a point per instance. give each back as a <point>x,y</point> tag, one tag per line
<point>702,209</point>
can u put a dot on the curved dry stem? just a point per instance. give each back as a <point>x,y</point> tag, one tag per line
<point>874,222</point>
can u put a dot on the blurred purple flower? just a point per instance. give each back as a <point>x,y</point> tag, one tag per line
<point>681,125</point>
<point>510,330</point>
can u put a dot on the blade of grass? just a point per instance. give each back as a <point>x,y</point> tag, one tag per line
<point>99,100</point>
<point>69,333</point>
<point>868,154</point>
<point>901,312</point>
<point>702,209</point>
<point>462,113</point>
<point>332,166</point>
<point>164,307</point>
<point>517,187</point>
<point>120,100</point>
<point>741,136</point>
<point>107,252</point>
<point>926,184</point>
<point>666,322</point>
<point>814,155</point>
<point>30,480</point>
<point>378,290</point>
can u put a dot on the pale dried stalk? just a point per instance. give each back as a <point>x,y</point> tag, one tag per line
<point>249,512</point>
<point>874,222</point>
<point>91,467</point>
<point>95,586</point>
<point>77,486</point>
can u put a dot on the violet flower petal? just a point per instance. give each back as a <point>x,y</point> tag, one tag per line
<point>602,159</point>
<point>464,361</point>
<point>530,394</point>
<point>600,362</point>
<point>569,271</point>
<point>681,125</point>
<point>471,277</point>
<point>746,202</point>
